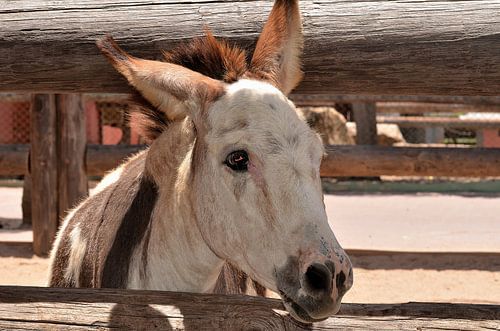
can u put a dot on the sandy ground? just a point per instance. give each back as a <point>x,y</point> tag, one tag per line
<point>378,278</point>
<point>434,225</point>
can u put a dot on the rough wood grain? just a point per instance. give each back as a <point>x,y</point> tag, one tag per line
<point>366,123</point>
<point>72,142</point>
<point>446,122</point>
<point>364,161</point>
<point>26,200</point>
<point>410,161</point>
<point>14,160</point>
<point>31,308</point>
<point>483,103</point>
<point>429,107</point>
<point>322,100</point>
<point>351,47</point>
<point>101,158</point>
<point>43,158</point>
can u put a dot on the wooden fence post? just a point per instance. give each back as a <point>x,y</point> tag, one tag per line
<point>44,172</point>
<point>365,116</point>
<point>26,200</point>
<point>71,135</point>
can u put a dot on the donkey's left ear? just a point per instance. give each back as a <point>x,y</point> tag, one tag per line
<point>172,89</point>
<point>276,58</point>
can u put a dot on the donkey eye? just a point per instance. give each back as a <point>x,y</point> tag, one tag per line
<point>237,160</point>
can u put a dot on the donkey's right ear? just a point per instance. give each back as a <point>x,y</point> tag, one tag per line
<point>276,58</point>
<point>170,88</point>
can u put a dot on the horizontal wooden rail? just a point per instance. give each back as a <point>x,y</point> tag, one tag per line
<point>429,107</point>
<point>446,122</point>
<point>385,103</point>
<point>389,104</point>
<point>340,161</point>
<point>102,158</point>
<point>410,161</point>
<point>99,158</point>
<point>372,48</point>
<point>14,160</point>
<point>32,308</point>
<point>320,100</point>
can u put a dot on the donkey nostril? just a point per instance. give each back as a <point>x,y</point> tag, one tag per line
<point>318,277</point>
<point>340,279</point>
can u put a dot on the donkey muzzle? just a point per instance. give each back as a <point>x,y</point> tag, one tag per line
<point>313,291</point>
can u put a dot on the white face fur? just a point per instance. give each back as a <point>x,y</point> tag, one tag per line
<point>259,217</point>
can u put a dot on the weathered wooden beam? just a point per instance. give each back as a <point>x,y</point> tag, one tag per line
<point>43,158</point>
<point>82,309</point>
<point>72,143</point>
<point>432,107</point>
<point>26,200</point>
<point>371,48</point>
<point>32,308</point>
<point>410,161</point>
<point>364,161</point>
<point>321,100</point>
<point>434,103</point>
<point>14,160</point>
<point>102,158</point>
<point>98,158</point>
<point>447,122</point>
<point>366,123</point>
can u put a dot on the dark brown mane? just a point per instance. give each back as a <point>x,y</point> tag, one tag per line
<point>214,58</point>
<point>206,55</point>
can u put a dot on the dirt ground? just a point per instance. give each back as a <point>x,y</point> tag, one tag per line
<point>442,228</point>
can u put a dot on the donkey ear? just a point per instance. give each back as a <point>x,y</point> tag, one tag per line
<point>276,58</point>
<point>174,90</point>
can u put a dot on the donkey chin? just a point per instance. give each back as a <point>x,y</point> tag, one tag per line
<point>317,293</point>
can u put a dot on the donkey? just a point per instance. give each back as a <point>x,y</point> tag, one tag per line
<point>231,175</point>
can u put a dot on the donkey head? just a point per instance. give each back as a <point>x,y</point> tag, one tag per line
<point>254,164</point>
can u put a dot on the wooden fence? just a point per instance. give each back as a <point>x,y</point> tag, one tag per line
<point>340,161</point>
<point>355,52</point>
<point>371,48</point>
<point>30,308</point>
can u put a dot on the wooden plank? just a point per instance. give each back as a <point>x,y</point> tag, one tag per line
<point>14,160</point>
<point>433,107</point>
<point>356,161</point>
<point>43,167</point>
<point>370,48</point>
<point>364,161</point>
<point>447,122</point>
<point>72,141</point>
<point>410,161</point>
<point>98,158</point>
<point>331,99</point>
<point>26,200</point>
<point>366,123</point>
<point>102,158</point>
<point>388,103</point>
<point>405,104</point>
<point>33,308</point>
